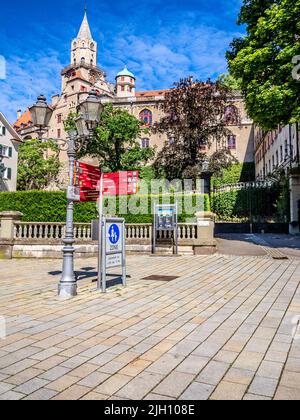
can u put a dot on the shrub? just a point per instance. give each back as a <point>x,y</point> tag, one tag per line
<point>241,172</point>
<point>45,206</point>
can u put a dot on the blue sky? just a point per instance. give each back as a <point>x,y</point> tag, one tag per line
<point>159,41</point>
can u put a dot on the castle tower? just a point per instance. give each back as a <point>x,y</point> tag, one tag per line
<point>84,48</point>
<point>125,84</point>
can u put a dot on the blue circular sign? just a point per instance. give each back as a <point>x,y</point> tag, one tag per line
<point>114,234</point>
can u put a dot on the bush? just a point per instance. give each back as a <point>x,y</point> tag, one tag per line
<point>241,172</point>
<point>45,206</point>
<point>259,203</point>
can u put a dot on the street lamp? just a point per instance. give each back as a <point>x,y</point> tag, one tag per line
<point>41,114</point>
<point>90,114</point>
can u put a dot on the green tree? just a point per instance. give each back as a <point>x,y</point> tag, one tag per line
<point>229,81</point>
<point>115,142</point>
<point>38,164</point>
<point>264,61</point>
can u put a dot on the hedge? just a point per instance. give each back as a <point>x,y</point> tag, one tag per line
<point>259,202</point>
<point>241,172</point>
<point>45,206</point>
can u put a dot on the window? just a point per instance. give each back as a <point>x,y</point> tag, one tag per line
<point>232,142</point>
<point>58,133</point>
<point>281,154</point>
<point>7,174</point>
<point>5,151</point>
<point>2,131</point>
<point>231,115</point>
<point>146,117</point>
<point>145,143</point>
<point>122,79</point>
<point>123,88</point>
<point>277,158</point>
<point>59,119</point>
<point>83,89</point>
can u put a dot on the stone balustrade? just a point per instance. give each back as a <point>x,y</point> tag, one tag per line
<point>27,239</point>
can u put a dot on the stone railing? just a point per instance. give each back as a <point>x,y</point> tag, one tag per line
<point>38,238</point>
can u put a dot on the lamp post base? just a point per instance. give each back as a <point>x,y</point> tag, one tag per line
<point>67,290</point>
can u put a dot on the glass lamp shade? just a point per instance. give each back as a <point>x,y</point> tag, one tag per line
<point>40,112</point>
<point>91,108</point>
<point>81,126</point>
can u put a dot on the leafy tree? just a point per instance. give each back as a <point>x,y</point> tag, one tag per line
<point>194,116</point>
<point>220,160</point>
<point>115,141</point>
<point>264,61</point>
<point>38,164</point>
<point>229,81</point>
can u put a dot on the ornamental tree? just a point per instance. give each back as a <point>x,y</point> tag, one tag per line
<point>194,116</point>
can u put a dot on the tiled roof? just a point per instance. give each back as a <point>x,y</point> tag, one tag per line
<point>23,122</point>
<point>151,93</point>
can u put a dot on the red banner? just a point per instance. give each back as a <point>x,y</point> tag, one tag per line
<point>88,178</point>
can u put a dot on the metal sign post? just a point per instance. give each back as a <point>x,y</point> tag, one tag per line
<point>166,220</point>
<point>100,233</point>
<point>113,249</point>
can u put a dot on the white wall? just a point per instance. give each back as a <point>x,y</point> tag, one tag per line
<point>10,159</point>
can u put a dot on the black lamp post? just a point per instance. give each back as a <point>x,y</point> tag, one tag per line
<point>90,111</point>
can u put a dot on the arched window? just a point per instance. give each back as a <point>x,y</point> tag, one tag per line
<point>231,115</point>
<point>146,117</point>
<point>82,60</point>
<point>145,143</point>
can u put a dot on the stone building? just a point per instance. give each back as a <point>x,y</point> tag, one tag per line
<point>9,144</point>
<point>279,150</point>
<point>83,74</point>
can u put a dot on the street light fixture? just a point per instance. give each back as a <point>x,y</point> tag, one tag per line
<point>90,111</point>
<point>41,114</point>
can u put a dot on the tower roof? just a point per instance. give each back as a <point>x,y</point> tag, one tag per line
<point>125,72</point>
<point>84,31</point>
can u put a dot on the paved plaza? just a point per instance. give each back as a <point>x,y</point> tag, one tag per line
<point>224,329</point>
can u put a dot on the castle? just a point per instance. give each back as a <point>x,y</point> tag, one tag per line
<point>83,74</point>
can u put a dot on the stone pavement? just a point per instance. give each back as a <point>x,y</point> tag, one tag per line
<point>223,330</point>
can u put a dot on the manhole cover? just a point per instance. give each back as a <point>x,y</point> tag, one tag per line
<point>161,278</point>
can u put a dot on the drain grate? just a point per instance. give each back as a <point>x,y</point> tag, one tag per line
<point>161,278</point>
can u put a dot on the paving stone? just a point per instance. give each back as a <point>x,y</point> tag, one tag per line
<point>286,393</point>
<point>290,379</point>
<point>174,384</point>
<point>213,373</point>
<point>42,394</point>
<point>229,391</point>
<point>239,376</point>
<point>192,364</point>
<point>263,386</point>
<point>11,396</point>
<point>63,383</point>
<point>4,387</point>
<point>31,386</point>
<point>24,376</point>
<point>165,364</point>
<point>252,397</point>
<point>197,392</point>
<point>113,384</point>
<point>270,370</point>
<point>94,396</point>
<point>248,361</point>
<point>84,370</point>
<point>94,379</point>
<point>75,392</point>
<point>140,386</point>
<point>54,373</point>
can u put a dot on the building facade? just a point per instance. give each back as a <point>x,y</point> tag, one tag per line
<point>83,74</point>
<point>276,150</point>
<point>9,144</point>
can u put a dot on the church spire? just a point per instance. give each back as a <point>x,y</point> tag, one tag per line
<point>84,31</point>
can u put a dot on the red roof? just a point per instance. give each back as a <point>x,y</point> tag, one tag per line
<point>151,93</point>
<point>23,122</point>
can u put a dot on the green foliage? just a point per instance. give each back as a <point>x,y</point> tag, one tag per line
<point>44,206</point>
<point>115,142</point>
<point>38,164</point>
<point>256,204</point>
<point>240,172</point>
<point>229,81</point>
<point>263,61</point>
